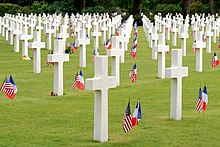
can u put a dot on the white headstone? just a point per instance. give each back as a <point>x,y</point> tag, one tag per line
<point>49,31</point>
<point>199,45</point>
<point>161,49</point>
<point>82,41</point>
<point>37,45</point>
<point>176,72</point>
<point>174,30</point>
<point>154,38</point>
<point>25,37</point>
<point>115,52</point>
<point>100,84</point>
<point>16,34</point>
<point>209,34</point>
<point>183,35</point>
<point>58,57</point>
<point>96,34</point>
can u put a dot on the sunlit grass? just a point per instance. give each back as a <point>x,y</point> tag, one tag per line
<point>35,118</point>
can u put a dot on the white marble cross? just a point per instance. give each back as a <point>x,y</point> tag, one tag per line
<point>6,26</point>
<point>104,28</point>
<point>25,37</point>
<point>100,84</point>
<point>121,40</point>
<point>96,34</point>
<point>209,35</point>
<point>63,35</point>
<point>215,31</point>
<point>154,38</point>
<point>16,34</point>
<point>176,72</point>
<point>58,57</point>
<point>161,49</point>
<point>82,41</point>
<point>183,35</point>
<point>10,30</point>
<point>38,26</point>
<point>49,31</point>
<point>199,45</point>
<point>168,26</point>
<point>3,26</point>
<point>115,52</point>
<point>37,45</point>
<point>174,30</point>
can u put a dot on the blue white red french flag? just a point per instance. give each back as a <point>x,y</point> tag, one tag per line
<point>215,61</point>
<point>137,116</point>
<point>108,44</point>
<point>80,85</point>
<point>205,97</point>
<point>13,84</point>
<point>73,46</point>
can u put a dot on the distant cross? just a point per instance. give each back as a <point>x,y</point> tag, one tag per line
<point>115,52</point>
<point>58,57</point>
<point>37,45</point>
<point>161,49</point>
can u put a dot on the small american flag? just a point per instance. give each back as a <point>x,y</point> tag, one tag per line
<point>8,88</point>
<point>94,54</point>
<point>199,104</point>
<point>77,80</point>
<point>126,122</point>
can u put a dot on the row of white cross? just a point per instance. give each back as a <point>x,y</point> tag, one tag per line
<point>207,27</point>
<point>81,25</point>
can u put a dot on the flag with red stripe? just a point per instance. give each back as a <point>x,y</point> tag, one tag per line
<point>126,122</point>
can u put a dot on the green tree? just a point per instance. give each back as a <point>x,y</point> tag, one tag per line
<point>137,7</point>
<point>212,6</point>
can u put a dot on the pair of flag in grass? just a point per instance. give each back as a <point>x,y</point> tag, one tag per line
<point>79,81</point>
<point>9,87</point>
<point>202,99</point>
<point>128,122</point>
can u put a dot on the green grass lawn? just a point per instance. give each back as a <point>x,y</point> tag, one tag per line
<point>34,118</point>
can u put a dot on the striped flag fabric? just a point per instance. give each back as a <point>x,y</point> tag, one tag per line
<point>133,51</point>
<point>135,28</point>
<point>135,40</point>
<point>205,97</point>
<point>76,81</point>
<point>137,115</point>
<point>133,73</point>
<point>79,81</point>
<point>126,122</point>
<point>74,47</point>
<point>72,34</point>
<point>215,61</point>
<point>8,89</point>
<point>3,86</point>
<point>199,104</point>
<point>80,85</point>
<point>94,54</point>
<point>108,44</point>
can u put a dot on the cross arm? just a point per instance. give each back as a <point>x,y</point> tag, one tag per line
<point>174,72</point>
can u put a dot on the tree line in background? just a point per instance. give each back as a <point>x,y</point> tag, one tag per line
<point>135,7</point>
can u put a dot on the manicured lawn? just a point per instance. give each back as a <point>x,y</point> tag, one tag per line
<point>34,118</point>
